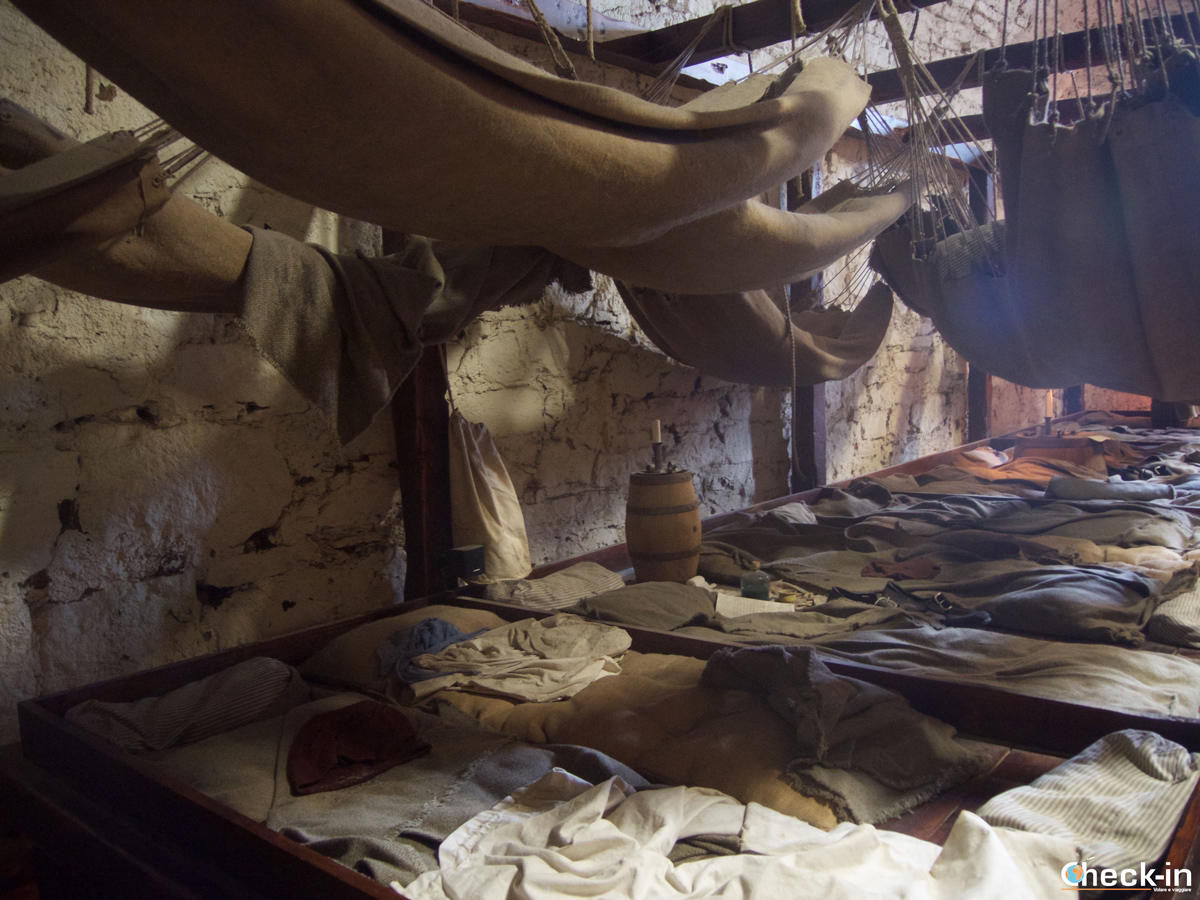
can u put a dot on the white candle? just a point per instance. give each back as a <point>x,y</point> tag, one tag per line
<point>656,432</point>
<point>1049,404</point>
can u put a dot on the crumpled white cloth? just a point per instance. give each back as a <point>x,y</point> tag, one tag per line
<point>561,838</point>
<point>550,659</point>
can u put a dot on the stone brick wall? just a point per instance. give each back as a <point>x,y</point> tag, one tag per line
<point>164,493</point>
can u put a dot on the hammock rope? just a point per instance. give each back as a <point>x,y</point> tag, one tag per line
<point>562,63</point>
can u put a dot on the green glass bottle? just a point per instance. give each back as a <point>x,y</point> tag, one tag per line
<point>756,583</point>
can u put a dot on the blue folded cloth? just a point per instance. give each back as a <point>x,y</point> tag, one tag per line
<point>396,654</point>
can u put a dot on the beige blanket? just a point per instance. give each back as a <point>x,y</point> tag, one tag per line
<point>656,718</point>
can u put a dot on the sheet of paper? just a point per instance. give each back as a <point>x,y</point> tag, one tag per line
<point>734,605</point>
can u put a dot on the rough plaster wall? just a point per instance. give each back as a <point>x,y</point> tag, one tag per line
<point>1014,406</point>
<point>1099,398</point>
<point>242,505</point>
<point>163,492</point>
<point>570,406</point>
<point>910,400</point>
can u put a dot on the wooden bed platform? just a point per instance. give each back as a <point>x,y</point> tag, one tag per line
<point>106,827</point>
<point>616,556</point>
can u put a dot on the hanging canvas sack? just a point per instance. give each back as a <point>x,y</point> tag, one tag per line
<point>1076,296</point>
<point>484,507</point>
<point>1156,153</point>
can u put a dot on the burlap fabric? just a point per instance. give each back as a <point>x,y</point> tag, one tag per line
<point>390,112</point>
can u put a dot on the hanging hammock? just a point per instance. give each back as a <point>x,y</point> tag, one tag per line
<point>391,112</point>
<point>747,338</point>
<point>1094,276</point>
<point>345,330</point>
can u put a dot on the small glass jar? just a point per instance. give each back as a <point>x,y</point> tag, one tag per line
<point>756,583</point>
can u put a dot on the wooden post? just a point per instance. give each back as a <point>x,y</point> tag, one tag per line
<point>981,196</point>
<point>1073,400</point>
<point>421,419</point>
<point>808,468</point>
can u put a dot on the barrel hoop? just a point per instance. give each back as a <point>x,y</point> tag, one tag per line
<point>665,557</point>
<point>662,510</point>
<point>656,479</point>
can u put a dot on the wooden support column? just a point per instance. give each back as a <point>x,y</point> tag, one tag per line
<point>982,200</point>
<point>808,466</point>
<point>421,418</point>
<point>1073,400</point>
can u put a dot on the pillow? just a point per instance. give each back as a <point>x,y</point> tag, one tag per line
<point>349,660</point>
<point>557,590</point>
<point>254,689</point>
<point>652,604</point>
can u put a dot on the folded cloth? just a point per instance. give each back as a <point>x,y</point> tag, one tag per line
<point>258,688</point>
<point>1067,488</point>
<point>346,746</point>
<point>548,659</point>
<point>557,590</point>
<point>652,604</point>
<point>844,723</point>
<point>1119,800</point>
<point>396,654</point>
<point>921,568</point>
<point>1177,621</point>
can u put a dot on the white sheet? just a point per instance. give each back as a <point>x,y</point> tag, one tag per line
<point>561,838</point>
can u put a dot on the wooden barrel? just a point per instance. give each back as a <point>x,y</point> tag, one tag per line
<point>662,526</point>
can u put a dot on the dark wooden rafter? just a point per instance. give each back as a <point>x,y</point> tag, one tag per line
<point>886,86</point>
<point>758,24</point>
<point>764,23</point>
<point>754,25</point>
<point>519,26</point>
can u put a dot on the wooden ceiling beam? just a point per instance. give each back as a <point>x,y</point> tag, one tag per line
<point>508,23</point>
<point>886,86</point>
<point>758,24</point>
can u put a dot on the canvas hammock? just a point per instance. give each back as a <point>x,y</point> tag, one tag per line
<point>75,199</point>
<point>1094,276</point>
<point>346,330</point>
<point>713,333</point>
<point>390,112</point>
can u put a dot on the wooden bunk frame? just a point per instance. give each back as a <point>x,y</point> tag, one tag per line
<point>616,556</point>
<point>105,825</point>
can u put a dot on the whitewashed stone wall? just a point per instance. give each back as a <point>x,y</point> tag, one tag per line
<point>569,389</point>
<point>164,493</point>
